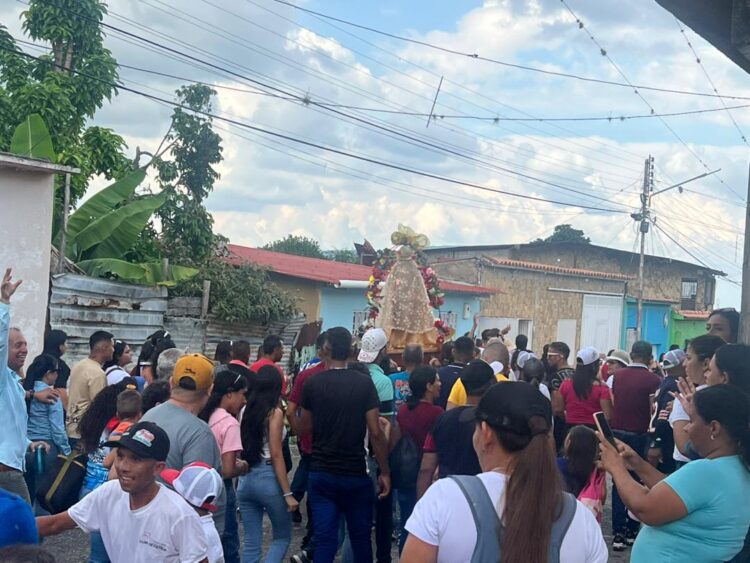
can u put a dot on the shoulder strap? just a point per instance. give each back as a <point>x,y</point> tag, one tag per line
<point>560,527</point>
<point>487,547</point>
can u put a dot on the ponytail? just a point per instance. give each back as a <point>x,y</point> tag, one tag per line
<point>533,495</point>
<point>419,379</point>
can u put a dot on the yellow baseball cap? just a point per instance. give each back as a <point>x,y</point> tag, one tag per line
<point>195,368</point>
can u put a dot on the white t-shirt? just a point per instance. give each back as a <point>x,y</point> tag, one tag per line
<point>215,551</point>
<point>442,517</point>
<point>544,390</point>
<point>167,529</point>
<point>678,413</point>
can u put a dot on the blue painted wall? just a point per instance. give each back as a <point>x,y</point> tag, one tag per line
<point>337,307</point>
<point>655,329</point>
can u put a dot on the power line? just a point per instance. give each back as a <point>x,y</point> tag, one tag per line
<point>410,139</point>
<point>327,148</point>
<point>505,63</point>
<point>711,82</point>
<point>611,61</point>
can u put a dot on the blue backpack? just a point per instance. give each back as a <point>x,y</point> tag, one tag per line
<point>488,547</point>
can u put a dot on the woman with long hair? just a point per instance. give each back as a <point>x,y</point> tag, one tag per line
<point>148,359</point>
<point>697,364</point>
<point>520,485</point>
<point>55,344</point>
<point>95,426</point>
<point>579,460</point>
<point>583,395</point>
<point>414,421</point>
<point>121,358</point>
<point>46,422</point>
<point>224,405</point>
<point>265,489</point>
<point>699,512</point>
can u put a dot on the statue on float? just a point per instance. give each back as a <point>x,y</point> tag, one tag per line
<point>403,292</point>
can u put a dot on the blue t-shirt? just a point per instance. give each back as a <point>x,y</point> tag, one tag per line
<point>401,391</point>
<point>716,493</point>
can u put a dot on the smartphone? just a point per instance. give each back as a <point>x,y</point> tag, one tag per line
<point>604,429</point>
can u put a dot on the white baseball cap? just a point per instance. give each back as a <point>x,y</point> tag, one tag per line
<point>198,483</point>
<point>523,357</point>
<point>672,359</point>
<point>587,356</point>
<point>373,341</point>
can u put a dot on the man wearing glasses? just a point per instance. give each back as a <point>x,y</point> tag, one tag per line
<point>557,358</point>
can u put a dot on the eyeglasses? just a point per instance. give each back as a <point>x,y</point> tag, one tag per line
<point>549,355</point>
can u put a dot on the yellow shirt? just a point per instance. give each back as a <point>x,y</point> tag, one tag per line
<point>87,378</point>
<point>458,393</point>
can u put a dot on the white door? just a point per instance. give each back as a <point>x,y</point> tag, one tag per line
<point>601,322</point>
<point>566,332</point>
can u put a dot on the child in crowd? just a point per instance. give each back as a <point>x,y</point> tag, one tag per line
<point>199,484</point>
<point>581,476</point>
<point>129,407</point>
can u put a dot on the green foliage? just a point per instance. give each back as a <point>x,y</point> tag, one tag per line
<point>188,178</point>
<point>566,233</point>
<point>342,255</point>
<point>31,139</point>
<point>298,245</point>
<point>65,88</point>
<point>240,293</point>
<point>148,273</point>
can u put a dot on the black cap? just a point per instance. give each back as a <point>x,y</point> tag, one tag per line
<point>144,439</point>
<point>511,406</point>
<point>476,375</point>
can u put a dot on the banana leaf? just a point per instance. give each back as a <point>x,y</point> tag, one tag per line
<point>116,232</point>
<point>32,139</point>
<point>149,273</point>
<point>104,202</point>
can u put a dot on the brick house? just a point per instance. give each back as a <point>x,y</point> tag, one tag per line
<point>582,294</point>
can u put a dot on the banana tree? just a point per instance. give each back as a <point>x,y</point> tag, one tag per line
<point>107,225</point>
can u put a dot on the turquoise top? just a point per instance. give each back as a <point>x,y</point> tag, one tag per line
<point>716,493</point>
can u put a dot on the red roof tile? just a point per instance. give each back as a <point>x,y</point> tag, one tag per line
<point>507,262</point>
<point>694,315</point>
<point>326,271</point>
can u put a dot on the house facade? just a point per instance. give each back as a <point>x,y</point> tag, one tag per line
<point>334,292</point>
<point>581,294</point>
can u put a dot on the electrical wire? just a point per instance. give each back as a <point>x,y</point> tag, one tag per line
<point>674,133</point>
<point>476,56</point>
<point>326,148</point>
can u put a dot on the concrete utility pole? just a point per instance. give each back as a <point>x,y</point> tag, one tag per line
<point>644,218</point>
<point>744,336</point>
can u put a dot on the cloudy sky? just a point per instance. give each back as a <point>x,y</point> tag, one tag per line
<point>271,186</point>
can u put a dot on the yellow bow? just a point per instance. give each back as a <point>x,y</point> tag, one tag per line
<point>407,236</point>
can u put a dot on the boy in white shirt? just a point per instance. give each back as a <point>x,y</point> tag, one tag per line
<point>199,484</point>
<point>138,518</point>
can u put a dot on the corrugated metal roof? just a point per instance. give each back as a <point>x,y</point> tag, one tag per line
<point>508,263</point>
<point>326,271</point>
<point>694,315</point>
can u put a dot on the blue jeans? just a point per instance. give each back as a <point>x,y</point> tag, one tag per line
<point>333,496</point>
<point>621,522</point>
<point>407,498</point>
<point>98,553</point>
<point>259,492</point>
<point>230,539</point>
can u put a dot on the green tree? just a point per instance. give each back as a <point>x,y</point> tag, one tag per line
<point>342,255</point>
<point>187,177</point>
<point>566,233</point>
<point>298,245</point>
<point>65,87</point>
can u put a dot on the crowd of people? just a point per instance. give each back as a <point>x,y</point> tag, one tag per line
<point>486,452</point>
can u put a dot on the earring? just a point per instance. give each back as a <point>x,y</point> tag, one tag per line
<point>713,437</point>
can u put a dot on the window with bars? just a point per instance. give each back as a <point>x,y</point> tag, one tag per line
<point>358,319</point>
<point>450,318</point>
<point>688,294</point>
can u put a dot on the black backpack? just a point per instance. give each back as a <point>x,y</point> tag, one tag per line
<point>405,460</point>
<point>61,485</point>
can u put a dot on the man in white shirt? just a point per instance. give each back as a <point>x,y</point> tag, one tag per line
<point>138,518</point>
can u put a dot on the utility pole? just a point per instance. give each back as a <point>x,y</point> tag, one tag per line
<point>744,335</point>
<point>644,218</point>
